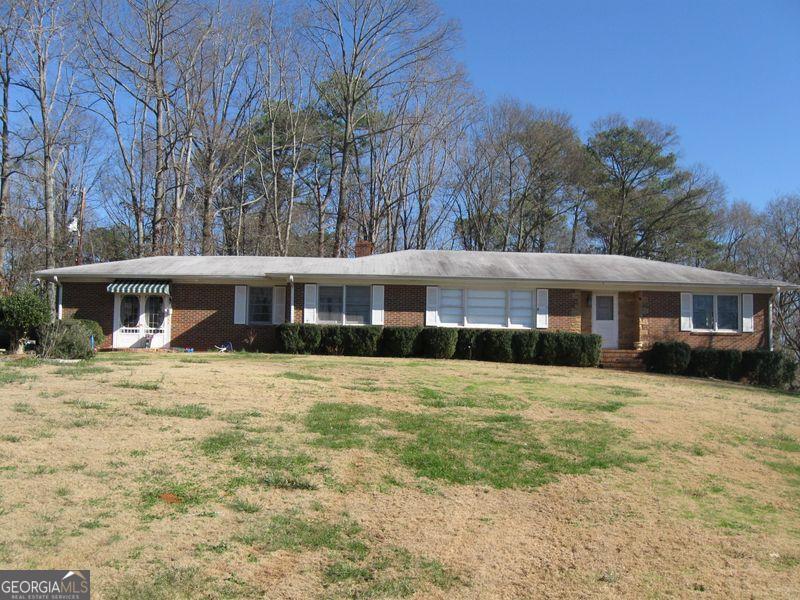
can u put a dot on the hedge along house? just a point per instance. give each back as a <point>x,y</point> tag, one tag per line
<point>203,301</point>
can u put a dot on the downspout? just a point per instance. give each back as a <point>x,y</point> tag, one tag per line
<point>770,335</point>
<point>291,298</point>
<point>58,298</point>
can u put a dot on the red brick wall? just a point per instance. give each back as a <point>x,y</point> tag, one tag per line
<point>661,313</point>
<point>89,301</point>
<point>404,305</point>
<point>628,310</point>
<point>586,312</point>
<point>202,317</point>
<point>565,310</point>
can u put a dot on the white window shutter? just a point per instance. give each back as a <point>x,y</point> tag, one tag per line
<point>542,308</point>
<point>377,305</point>
<point>310,303</point>
<point>747,313</point>
<point>60,314</point>
<point>686,311</point>
<point>432,306</point>
<point>278,304</point>
<point>240,305</point>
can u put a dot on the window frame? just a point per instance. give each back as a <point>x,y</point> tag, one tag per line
<point>342,320</point>
<point>250,320</point>
<point>507,321</point>
<point>715,314</point>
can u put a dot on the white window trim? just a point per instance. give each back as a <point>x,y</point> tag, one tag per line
<point>271,305</point>
<point>716,328</point>
<point>343,320</point>
<point>465,324</point>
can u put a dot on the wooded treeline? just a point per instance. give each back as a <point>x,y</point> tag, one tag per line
<point>140,127</point>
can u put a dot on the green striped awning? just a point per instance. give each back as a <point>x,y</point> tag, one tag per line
<point>139,287</point>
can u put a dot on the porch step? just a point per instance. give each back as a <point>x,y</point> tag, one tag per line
<point>623,359</point>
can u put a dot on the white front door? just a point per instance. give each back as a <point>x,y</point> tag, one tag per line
<point>141,321</point>
<point>605,318</point>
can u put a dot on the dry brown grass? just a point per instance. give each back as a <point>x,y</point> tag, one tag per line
<point>204,476</point>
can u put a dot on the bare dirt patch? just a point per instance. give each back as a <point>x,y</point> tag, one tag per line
<point>297,477</point>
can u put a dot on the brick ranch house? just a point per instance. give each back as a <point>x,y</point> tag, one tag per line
<point>202,301</point>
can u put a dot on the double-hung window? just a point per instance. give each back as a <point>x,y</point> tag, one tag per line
<point>344,304</point>
<point>715,312</point>
<point>260,305</point>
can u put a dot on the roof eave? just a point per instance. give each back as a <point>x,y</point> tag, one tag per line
<point>762,287</point>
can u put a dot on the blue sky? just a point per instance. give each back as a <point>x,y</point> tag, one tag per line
<point>726,74</point>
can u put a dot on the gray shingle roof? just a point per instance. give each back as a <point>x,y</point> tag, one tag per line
<point>583,269</point>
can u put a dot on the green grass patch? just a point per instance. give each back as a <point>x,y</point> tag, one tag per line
<point>220,442</point>
<point>590,406</point>
<point>173,493</point>
<point>28,362</point>
<point>173,583</point>
<point>780,441</point>
<point>11,439</point>
<point>192,360</point>
<point>258,468</point>
<point>297,376</point>
<point>14,376</point>
<point>138,385</point>
<point>453,393</point>
<point>287,482</point>
<point>23,408</point>
<point>184,411</point>
<point>86,405</point>
<point>82,370</point>
<point>355,569</point>
<point>239,417</point>
<point>497,450</point>
<point>242,506</point>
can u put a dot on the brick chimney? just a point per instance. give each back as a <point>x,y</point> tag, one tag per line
<point>364,248</point>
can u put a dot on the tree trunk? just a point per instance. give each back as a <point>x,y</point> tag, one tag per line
<point>158,190</point>
<point>208,222</point>
<point>5,157</point>
<point>341,212</point>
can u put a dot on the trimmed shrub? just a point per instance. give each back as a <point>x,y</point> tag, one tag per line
<point>438,342</point>
<point>721,364</point>
<point>524,345</point>
<point>310,337</point>
<point>361,341</point>
<point>287,338</point>
<point>331,339</point>
<point>467,344</point>
<point>399,341</point>
<point>297,338</point>
<point>95,330</point>
<point>764,367</point>
<point>568,349</point>
<point>65,339</point>
<point>495,345</point>
<point>671,358</point>
<point>592,347</point>
<point>547,350</point>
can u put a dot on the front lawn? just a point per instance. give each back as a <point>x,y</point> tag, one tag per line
<point>213,476</point>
